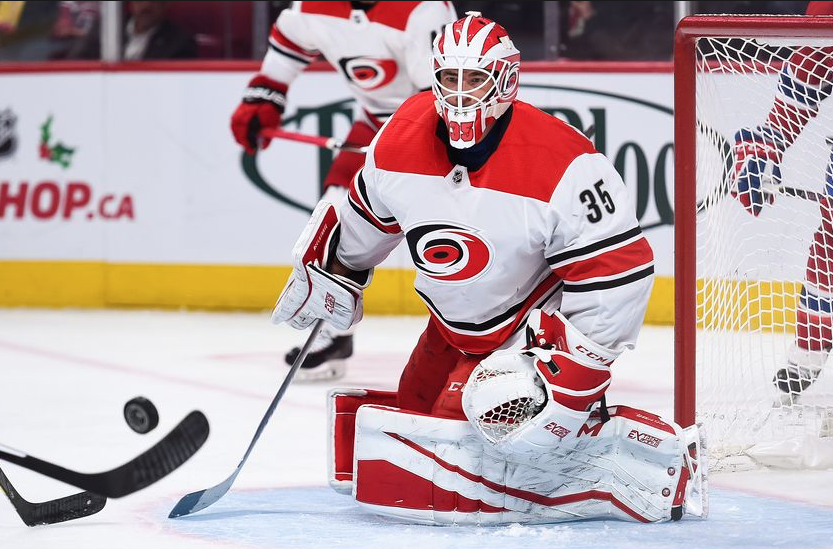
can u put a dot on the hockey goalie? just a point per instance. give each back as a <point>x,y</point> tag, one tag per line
<point>536,276</point>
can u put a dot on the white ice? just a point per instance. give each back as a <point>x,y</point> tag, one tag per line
<point>65,376</point>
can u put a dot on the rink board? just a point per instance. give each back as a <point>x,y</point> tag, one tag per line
<point>127,189</point>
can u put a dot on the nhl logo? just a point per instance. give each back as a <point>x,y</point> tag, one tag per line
<point>457,177</point>
<point>8,139</point>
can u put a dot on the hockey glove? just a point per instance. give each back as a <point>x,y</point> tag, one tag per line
<point>262,106</point>
<point>758,153</point>
<point>311,292</point>
<point>527,400</point>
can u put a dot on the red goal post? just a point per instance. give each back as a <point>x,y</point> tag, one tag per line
<point>773,32</point>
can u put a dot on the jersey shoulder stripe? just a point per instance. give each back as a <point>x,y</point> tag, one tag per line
<point>333,9</point>
<point>409,142</point>
<point>533,154</point>
<point>392,14</point>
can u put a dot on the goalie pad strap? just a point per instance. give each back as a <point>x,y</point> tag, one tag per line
<point>341,413</point>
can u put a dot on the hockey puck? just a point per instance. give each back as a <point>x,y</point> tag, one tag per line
<point>141,415</point>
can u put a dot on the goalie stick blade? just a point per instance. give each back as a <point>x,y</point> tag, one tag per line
<point>166,455</point>
<point>197,501</point>
<point>71,507</point>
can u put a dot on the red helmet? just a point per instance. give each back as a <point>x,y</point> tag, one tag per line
<point>475,76</point>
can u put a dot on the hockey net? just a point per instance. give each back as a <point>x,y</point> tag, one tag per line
<point>746,273</point>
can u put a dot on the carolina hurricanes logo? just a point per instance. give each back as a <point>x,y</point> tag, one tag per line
<point>368,73</point>
<point>449,253</point>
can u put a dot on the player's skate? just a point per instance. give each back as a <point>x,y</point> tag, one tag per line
<point>802,370</point>
<point>326,359</point>
<point>693,495</point>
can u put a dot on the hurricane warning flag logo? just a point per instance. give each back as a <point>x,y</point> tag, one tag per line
<point>368,73</point>
<point>449,253</point>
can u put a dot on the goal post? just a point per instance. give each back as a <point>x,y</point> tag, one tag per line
<point>739,277</point>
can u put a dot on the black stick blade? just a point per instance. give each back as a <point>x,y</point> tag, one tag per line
<point>166,455</point>
<point>63,509</point>
<point>71,507</point>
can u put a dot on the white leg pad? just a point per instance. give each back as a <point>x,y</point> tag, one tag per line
<point>438,471</point>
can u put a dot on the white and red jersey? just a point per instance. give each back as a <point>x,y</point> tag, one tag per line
<point>383,52</point>
<point>545,222</point>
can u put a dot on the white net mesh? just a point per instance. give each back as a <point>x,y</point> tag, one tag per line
<point>751,270</point>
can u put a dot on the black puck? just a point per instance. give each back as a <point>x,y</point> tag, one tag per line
<point>141,415</point>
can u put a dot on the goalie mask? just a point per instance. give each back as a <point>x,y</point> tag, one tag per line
<point>475,77</point>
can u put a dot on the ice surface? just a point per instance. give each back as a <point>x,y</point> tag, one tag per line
<point>67,374</point>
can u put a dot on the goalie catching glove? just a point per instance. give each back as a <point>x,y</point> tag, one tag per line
<point>311,292</point>
<point>535,398</point>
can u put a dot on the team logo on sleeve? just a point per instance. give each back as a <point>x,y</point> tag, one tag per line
<point>449,253</point>
<point>368,73</point>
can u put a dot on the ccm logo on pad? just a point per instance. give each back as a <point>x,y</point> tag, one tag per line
<point>644,438</point>
<point>593,356</point>
<point>329,302</point>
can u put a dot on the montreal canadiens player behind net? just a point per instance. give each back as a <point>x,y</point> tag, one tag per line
<point>380,49</point>
<point>536,275</point>
<point>805,80</point>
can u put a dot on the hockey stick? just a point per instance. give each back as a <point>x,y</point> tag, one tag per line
<point>71,507</point>
<point>784,190</point>
<point>723,189</point>
<point>197,501</point>
<point>324,142</point>
<point>166,455</point>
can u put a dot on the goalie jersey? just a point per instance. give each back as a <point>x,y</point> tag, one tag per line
<point>546,222</point>
<point>383,52</point>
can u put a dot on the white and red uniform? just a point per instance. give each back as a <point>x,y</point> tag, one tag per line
<point>545,223</point>
<point>383,53</point>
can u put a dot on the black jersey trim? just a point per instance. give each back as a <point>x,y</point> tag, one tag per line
<point>596,246</point>
<point>608,284</point>
<point>493,322</point>
<point>291,56</point>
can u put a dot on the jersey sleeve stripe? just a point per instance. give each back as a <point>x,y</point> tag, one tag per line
<point>361,186</point>
<point>608,263</point>
<point>278,49</point>
<point>357,198</point>
<point>278,39</point>
<point>607,283</point>
<point>563,258</point>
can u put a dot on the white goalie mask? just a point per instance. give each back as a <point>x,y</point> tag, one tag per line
<point>475,77</point>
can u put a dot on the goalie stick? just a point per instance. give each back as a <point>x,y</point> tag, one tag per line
<point>197,501</point>
<point>166,455</point>
<point>71,507</point>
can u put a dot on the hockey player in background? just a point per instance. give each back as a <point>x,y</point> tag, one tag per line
<point>380,48</point>
<point>805,80</point>
<point>536,274</point>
